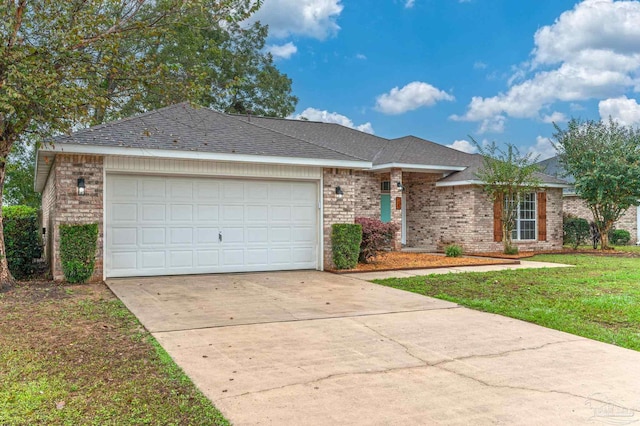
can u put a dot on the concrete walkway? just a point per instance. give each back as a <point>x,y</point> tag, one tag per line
<point>313,348</point>
<point>524,264</point>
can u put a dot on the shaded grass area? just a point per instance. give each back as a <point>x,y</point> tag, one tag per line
<point>74,355</point>
<point>598,299</point>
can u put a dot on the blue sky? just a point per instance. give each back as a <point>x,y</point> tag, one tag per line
<point>498,70</point>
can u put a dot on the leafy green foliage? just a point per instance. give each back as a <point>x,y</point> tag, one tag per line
<point>598,298</point>
<point>511,250</point>
<point>604,159</point>
<point>376,236</point>
<point>345,244</point>
<point>575,230</point>
<point>453,250</point>
<point>21,239</point>
<point>619,237</point>
<point>78,251</point>
<point>507,174</point>
<point>18,185</point>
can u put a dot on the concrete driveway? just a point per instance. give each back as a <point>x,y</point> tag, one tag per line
<point>313,348</point>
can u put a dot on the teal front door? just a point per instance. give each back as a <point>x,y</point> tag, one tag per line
<point>385,208</point>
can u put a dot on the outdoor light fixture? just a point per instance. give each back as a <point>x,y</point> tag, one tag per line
<point>81,187</point>
<point>339,193</point>
<point>400,186</point>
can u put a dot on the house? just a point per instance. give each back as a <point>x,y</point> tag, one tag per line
<point>187,190</point>
<point>572,204</point>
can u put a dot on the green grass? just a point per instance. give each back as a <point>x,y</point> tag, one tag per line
<point>599,298</point>
<point>76,355</point>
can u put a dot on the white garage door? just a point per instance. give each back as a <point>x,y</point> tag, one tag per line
<point>157,225</point>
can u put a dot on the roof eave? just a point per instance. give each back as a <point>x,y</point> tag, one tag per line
<point>417,167</point>
<point>189,155</point>
<point>478,182</point>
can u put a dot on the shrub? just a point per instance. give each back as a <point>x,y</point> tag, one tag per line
<point>453,250</point>
<point>21,239</point>
<point>511,250</point>
<point>345,244</point>
<point>376,236</point>
<point>619,237</point>
<point>575,231</point>
<point>78,251</point>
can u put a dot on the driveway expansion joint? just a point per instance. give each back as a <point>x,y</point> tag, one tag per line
<point>306,319</point>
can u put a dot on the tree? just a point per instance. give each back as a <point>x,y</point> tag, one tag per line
<point>18,187</point>
<point>50,50</point>
<point>604,159</point>
<point>507,175</point>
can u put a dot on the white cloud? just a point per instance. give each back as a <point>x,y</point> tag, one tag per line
<point>311,18</point>
<point>543,148</point>
<point>555,117</point>
<point>589,52</point>
<point>412,96</point>
<point>464,146</point>
<point>314,114</point>
<point>492,125</point>
<point>361,56</point>
<point>479,65</point>
<point>282,51</point>
<point>624,110</point>
<point>409,4</point>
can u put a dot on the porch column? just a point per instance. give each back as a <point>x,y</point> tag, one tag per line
<point>396,207</point>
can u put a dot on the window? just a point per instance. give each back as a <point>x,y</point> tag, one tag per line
<point>525,226</point>
<point>385,186</point>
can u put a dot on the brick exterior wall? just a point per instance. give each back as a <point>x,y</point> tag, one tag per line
<point>396,213</point>
<point>463,215</point>
<point>629,221</point>
<point>63,205</point>
<point>361,199</point>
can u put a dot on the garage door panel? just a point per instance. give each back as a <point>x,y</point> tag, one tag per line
<point>181,212</point>
<point>153,188</point>
<point>257,235</point>
<point>233,191</point>
<point>207,213</point>
<point>232,213</point>
<point>153,212</point>
<point>181,236</point>
<point>233,257</point>
<point>159,225</point>
<point>124,212</point>
<point>153,236</point>
<point>153,259</point>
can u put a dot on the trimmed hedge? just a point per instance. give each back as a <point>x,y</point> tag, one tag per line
<point>78,251</point>
<point>376,236</point>
<point>619,237</point>
<point>345,243</point>
<point>21,239</point>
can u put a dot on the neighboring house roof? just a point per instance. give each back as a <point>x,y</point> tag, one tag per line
<point>552,166</point>
<point>469,175</point>
<point>183,131</point>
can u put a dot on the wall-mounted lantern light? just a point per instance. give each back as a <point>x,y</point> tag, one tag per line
<point>400,186</point>
<point>81,187</point>
<point>339,193</point>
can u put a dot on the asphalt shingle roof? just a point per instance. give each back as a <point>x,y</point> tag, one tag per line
<point>183,127</point>
<point>552,166</point>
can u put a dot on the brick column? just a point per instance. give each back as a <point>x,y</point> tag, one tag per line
<point>336,210</point>
<point>396,214</point>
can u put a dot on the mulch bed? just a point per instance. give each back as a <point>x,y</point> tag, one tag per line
<point>526,254</point>
<point>393,261</point>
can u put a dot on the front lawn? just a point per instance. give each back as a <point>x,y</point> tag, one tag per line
<point>75,355</point>
<point>599,298</point>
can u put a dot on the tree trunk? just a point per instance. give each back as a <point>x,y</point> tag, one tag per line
<point>6,280</point>
<point>604,235</point>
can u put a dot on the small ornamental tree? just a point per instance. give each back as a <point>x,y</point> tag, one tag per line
<point>604,159</point>
<point>376,236</point>
<point>507,175</point>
